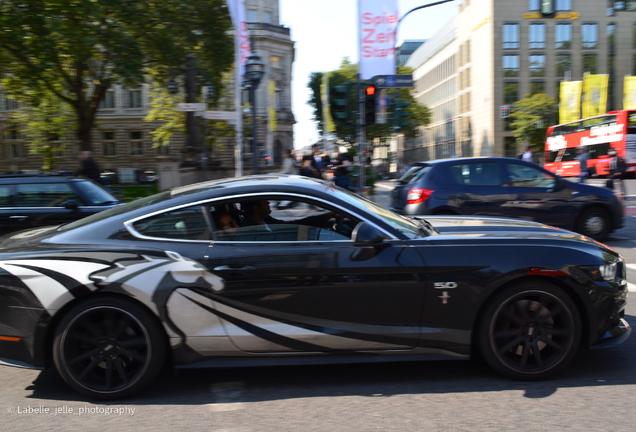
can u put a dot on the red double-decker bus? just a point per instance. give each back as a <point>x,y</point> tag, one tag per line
<point>615,129</point>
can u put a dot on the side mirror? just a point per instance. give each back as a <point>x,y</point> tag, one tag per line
<point>70,204</point>
<point>365,234</point>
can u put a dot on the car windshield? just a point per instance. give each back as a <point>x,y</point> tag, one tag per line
<point>116,211</point>
<point>396,221</point>
<point>93,194</point>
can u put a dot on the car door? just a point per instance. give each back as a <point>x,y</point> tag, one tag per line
<point>295,287</point>
<point>541,197</point>
<point>478,189</point>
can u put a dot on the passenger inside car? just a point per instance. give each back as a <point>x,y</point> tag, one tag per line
<point>224,221</point>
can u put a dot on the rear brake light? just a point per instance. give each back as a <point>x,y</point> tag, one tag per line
<point>417,195</point>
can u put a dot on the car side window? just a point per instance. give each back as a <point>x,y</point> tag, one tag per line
<point>268,220</point>
<point>522,175</point>
<point>45,194</point>
<point>187,223</point>
<point>5,196</point>
<point>476,174</point>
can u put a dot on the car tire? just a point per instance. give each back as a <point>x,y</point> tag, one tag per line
<point>108,348</point>
<point>530,332</point>
<point>595,223</point>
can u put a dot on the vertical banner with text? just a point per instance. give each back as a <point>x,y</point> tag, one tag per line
<point>378,21</point>
<point>326,105</point>
<point>594,94</point>
<point>570,103</point>
<point>629,98</point>
<point>237,13</point>
<point>272,105</point>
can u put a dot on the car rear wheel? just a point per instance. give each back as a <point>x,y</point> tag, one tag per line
<point>594,222</point>
<point>530,332</point>
<point>108,348</point>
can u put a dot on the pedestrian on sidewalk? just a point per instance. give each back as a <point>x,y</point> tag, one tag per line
<point>616,170</point>
<point>582,156</point>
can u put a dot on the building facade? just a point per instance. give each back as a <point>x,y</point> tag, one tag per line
<point>122,139</point>
<point>498,51</point>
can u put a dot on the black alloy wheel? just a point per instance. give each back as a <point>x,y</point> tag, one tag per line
<point>595,223</point>
<point>530,332</point>
<point>108,348</point>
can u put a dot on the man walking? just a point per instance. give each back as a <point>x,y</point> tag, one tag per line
<point>582,156</point>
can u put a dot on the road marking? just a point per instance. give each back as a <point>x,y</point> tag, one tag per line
<point>631,266</point>
<point>631,287</point>
<point>389,187</point>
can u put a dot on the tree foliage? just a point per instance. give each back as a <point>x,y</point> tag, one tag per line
<point>419,115</point>
<point>45,124</point>
<point>77,49</point>
<point>531,117</point>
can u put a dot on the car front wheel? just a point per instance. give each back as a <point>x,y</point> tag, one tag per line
<point>108,348</point>
<point>530,332</point>
<point>595,223</point>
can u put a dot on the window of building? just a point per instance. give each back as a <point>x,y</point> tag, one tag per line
<point>589,63</point>
<point>279,97</point>
<point>563,36</point>
<point>511,65</point>
<point>537,87</point>
<point>511,93</point>
<point>275,62</point>
<point>634,39</point>
<point>634,65</point>
<point>109,100</point>
<point>136,144</point>
<point>537,36</point>
<point>267,17</point>
<point>134,98</point>
<point>252,16</point>
<point>563,5</point>
<point>163,150</point>
<point>511,36</point>
<point>534,5</point>
<point>17,151</point>
<point>589,35</point>
<point>10,104</point>
<point>563,64</point>
<point>109,148</point>
<point>537,65</point>
<point>12,134</point>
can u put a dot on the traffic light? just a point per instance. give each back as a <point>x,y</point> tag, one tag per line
<point>400,115</point>
<point>370,95</point>
<point>340,107</point>
<point>504,111</point>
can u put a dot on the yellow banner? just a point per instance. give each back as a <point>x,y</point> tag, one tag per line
<point>594,95</point>
<point>629,99</point>
<point>326,106</point>
<point>570,103</point>
<point>272,105</point>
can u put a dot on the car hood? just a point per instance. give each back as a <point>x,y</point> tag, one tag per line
<point>499,227</point>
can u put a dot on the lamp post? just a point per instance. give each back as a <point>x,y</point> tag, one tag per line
<point>209,96</point>
<point>254,71</point>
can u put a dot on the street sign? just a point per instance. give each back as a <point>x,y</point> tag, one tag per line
<point>392,81</point>
<point>220,115</point>
<point>191,107</point>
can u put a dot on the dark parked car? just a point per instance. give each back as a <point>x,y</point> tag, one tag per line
<point>213,275</point>
<point>28,201</point>
<point>506,187</point>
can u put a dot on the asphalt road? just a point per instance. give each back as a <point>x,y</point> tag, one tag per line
<point>597,392</point>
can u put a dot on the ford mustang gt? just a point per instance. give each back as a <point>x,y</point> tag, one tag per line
<point>280,270</point>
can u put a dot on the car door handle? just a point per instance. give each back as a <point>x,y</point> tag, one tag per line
<point>230,268</point>
<point>19,217</point>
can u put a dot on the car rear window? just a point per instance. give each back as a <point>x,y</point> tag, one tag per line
<point>414,173</point>
<point>476,174</point>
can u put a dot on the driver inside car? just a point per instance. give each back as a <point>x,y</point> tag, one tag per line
<point>257,212</point>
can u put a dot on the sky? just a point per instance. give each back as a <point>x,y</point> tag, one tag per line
<point>326,31</point>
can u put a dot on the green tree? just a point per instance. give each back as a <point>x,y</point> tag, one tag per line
<point>419,115</point>
<point>531,117</point>
<point>45,123</point>
<point>77,49</point>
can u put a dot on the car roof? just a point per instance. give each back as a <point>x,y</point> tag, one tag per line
<point>36,178</point>
<point>465,159</point>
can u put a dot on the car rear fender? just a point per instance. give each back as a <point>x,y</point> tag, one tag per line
<point>524,276</point>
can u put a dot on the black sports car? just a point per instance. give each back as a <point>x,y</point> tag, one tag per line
<point>228,273</point>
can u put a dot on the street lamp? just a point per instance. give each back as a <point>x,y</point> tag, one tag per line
<point>254,71</point>
<point>209,96</point>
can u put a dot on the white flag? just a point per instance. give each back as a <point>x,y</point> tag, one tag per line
<point>237,13</point>
<point>378,21</point>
